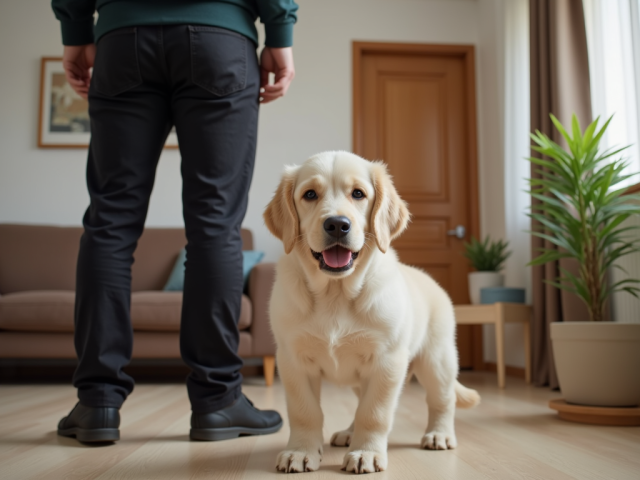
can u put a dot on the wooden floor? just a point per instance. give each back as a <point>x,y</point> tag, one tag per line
<point>511,435</point>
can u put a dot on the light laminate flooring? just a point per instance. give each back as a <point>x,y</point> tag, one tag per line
<point>511,435</point>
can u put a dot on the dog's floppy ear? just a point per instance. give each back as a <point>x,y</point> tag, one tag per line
<point>281,216</point>
<point>390,215</point>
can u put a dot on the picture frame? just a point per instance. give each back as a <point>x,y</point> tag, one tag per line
<point>64,115</point>
<point>63,119</point>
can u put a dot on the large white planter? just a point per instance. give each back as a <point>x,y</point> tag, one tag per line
<point>598,363</point>
<point>479,280</point>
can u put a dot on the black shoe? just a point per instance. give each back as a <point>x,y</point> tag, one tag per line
<point>239,418</point>
<point>91,424</point>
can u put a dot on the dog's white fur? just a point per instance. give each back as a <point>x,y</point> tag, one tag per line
<point>366,327</point>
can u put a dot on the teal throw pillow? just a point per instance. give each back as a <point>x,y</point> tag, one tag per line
<point>250,258</point>
<point>176,279</point>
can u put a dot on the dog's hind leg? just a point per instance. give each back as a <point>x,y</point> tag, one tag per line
<point>436,371</point>
<point>343,437</point>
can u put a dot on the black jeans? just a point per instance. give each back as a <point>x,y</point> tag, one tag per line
<point>205,81</point>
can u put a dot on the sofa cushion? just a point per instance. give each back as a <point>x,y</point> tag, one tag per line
<point>250,258</point>
<point>37,311</point>
<point>39,257</point>
<point>160,311</point>
<point>154,311</point>
<point>52,311</point>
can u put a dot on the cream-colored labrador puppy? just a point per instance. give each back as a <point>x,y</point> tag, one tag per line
<point>343,308</point>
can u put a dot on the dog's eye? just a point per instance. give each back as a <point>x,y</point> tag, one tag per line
<point>310,195</point>
<point>358,194</point>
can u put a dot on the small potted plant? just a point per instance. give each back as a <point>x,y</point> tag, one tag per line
<point>488,258</point>
<point>582,210</point>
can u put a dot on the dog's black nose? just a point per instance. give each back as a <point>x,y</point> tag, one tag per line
<point>337,226</point>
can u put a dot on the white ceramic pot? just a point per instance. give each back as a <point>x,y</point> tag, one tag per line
<point>479,280</point>
<point>598,363</point>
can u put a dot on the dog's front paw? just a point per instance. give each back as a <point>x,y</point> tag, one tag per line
<point>341,438</point>
<point>365,461</point>
<point>294,461</point>
<point>435,440</point>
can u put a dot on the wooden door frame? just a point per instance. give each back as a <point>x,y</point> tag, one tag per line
<point>467,54</point>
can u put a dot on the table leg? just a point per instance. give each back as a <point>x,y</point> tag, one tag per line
<point>269,364</point>
<point>500,343</point>
<point>527,351</point>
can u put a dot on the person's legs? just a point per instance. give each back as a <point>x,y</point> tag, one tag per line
<point>215,109</point>
<point>130,119</point>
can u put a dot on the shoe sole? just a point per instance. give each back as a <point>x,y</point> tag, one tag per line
<point>215,434</point>
<point>92,435</point>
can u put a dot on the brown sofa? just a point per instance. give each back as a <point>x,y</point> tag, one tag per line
<point>37,282</point>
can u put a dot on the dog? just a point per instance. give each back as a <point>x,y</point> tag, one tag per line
<point>344,309</point>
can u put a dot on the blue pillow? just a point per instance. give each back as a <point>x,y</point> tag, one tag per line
<point>176,279</point>
<point>250,258</point>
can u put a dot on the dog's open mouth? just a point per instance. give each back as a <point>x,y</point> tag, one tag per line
<point>335,259</point>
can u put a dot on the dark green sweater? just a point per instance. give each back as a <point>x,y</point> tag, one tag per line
<point>76,17</point>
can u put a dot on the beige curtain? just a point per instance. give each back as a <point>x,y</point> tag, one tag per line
<point>559,85</point>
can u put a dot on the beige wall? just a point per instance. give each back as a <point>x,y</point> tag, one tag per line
<point>47,186</point>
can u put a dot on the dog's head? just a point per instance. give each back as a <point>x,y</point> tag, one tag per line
<point>332,207</point>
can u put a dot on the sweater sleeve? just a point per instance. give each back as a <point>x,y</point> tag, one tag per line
<point>76,20</point>
<point>278,17</point>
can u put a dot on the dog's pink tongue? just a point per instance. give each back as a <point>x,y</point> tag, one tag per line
<point>336,257</point>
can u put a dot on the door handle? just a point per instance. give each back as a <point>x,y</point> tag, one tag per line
<point>458,232</point>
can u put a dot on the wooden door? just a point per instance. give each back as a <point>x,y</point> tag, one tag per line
<point>414,108</point>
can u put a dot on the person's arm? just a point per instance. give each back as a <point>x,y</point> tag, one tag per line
<point>76,20</point>
<point>278,17</point>
<point>76,23</point>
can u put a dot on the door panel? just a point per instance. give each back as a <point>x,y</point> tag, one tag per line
<point>414,109</point>
<point>409,129</point>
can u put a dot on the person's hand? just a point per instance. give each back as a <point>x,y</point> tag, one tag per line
<point>278,61</point>
<point>77,62</point>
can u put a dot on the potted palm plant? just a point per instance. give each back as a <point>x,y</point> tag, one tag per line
<point>582,211</point>
<point>488,258</point>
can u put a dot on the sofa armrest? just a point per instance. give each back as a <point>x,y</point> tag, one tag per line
<point>261,282</point>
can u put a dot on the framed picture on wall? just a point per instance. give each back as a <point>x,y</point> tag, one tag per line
<point>64,115</point>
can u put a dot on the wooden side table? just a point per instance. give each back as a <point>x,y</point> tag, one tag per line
<point>498,314</point>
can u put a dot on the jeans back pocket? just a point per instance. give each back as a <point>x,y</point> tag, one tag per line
<point>116,68</point>
<point>218,59</point>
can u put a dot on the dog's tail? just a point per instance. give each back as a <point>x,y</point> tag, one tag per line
<point>466,397</point>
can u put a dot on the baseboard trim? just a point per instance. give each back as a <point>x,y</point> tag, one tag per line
<point>511,371</point>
